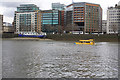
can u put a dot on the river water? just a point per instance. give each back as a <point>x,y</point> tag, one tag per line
<point>58,59</point>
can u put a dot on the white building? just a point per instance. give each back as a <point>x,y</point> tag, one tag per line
<point>119,3</point>
<point>27,19</point>
<point>7,24</point>
<point>113,19</point>
<point>31,21</point>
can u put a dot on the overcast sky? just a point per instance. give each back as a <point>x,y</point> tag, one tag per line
<point>8,7</point>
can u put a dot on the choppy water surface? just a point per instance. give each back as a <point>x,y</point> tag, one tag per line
<point>0,57</point>
<point>55,59</point>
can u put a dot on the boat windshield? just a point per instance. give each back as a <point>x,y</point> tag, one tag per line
<point>84,41</point>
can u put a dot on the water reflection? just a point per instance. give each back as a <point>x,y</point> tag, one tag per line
<point>55,59</point>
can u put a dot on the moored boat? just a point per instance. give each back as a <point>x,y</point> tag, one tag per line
<point>32,34</point>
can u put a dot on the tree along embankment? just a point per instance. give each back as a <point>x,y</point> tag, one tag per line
<point>72,37</point>
<point>9,35</point>
<point>77,37</point>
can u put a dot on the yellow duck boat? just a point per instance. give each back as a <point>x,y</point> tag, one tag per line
<point>88,42</point>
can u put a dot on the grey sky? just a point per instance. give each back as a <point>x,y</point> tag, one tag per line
<point>7,7</point>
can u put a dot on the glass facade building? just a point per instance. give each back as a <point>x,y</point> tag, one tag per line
<point>58,6</point>
<point>27,8</point>
<point>61,13</point>
<point>49,18</point>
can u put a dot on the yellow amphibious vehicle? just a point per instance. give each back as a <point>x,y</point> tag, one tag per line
<point>88,42</point>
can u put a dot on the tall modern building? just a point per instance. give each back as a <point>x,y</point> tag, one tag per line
<point>87,16</point>
<point>68,17</point>
<point>61,13</point>
<point>113,19</point>
<point>27,19</point>
<point>62,19</point>
<point>49,18</point>
<point>1,23</point>
<point>58,6</point>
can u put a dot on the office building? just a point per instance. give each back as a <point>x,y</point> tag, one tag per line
<point>68,17</point>
<point>49,19</point>
<point>58,6</point>
<point>113,19</point>
<point>87,16</point>
<point>104,26</point>
<point>27,19</point>
<point>1,23</point>
<point>62,19</point>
